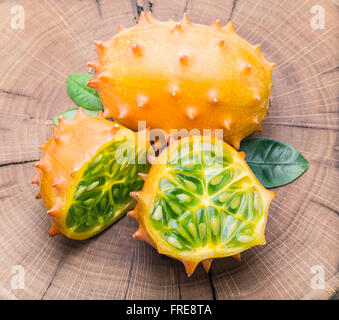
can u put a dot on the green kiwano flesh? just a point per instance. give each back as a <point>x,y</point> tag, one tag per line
<point>102,195</point>
<point>202,202</point>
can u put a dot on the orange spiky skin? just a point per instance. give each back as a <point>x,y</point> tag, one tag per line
<point>199,77</point>
<point>147,204</point>
<point>73,144</point>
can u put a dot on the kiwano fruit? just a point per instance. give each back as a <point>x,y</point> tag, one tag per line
<point>201,201</point>
<point>183,76</point>
<point>85,175</point>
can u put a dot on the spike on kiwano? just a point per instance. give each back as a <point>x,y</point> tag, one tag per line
<point>88,168</point>
<point>180,67</point>
<point>201,201</point>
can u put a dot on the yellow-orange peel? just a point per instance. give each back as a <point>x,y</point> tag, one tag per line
<point>180,75</point>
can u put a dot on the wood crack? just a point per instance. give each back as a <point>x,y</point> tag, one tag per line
<point>150,5</point>
<point>234,4</point>
<point>186,6</point>
<point>18,162</point>
<point>97,2</point>
<point>319,127</point>
<point>210,278</point>
<point>335,68</point>
<point>129,274</point>
<point>325,206</point>
<point>57,269</point>
<point>140,8</point>
<point>19,94</point>
<point>178,281</point>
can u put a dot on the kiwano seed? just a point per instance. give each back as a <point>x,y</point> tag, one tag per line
<point>206,222</point>
<point>84,206</point>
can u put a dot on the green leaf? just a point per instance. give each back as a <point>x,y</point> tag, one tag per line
<point>273,162</point>
<point>81,94</point>
<point>70,114</point>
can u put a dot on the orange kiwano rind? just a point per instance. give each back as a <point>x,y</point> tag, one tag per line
<point>84,185</point>
<point>201,201</point>
<point>180,75</point>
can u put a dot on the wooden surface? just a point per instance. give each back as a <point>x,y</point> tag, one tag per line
<point>302,229</point>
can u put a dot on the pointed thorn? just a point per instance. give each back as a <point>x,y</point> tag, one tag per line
<point>81,113</point>
<point>142,17</point>
<point>190,266</point>
<point>235,142</point>
<point>173,90</point>
<point>100,46</point>
<point>61,121</point>
<point>57,185</point>
<point>43,147</point>
<point>38,196</point>
<point>191,113</point>
<point>113,130</point>
<point>259,128</point>
<point>93,64</point>
<point>132,214</point>
<point>143,176</point>
<point>54,128</point>
<point>150,17</point>
<point>93,83</point>
<point>229,26</point>
<point>177,27</point>
<point>57,139</point>
<point>237,257</point>
<point>121,28</point>
<point>146,18</point>
<point>74,172</point>
<point>42,166</point>
<point>134,195</point>
<point>184,59</point>
<point>36,179</point>
<point>228,124</point>
<point>136,49</point>
<point>139,234</point>
<point>207,264</point>
<point>52,212</point>
<point>53,231</point>
<point>242,154</point>
<point>221,42</point>
<point>216,24</point>
<point>185,19</point>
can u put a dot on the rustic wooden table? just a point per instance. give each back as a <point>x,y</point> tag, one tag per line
<point>302,230</point>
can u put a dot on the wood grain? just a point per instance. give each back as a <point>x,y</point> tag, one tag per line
<point>302,229</point>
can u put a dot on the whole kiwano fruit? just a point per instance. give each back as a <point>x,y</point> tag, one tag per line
<point>180,75</point>
<point>86,173</point>
<point>201,201</point>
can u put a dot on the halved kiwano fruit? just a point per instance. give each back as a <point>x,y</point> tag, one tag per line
<point>201,201</point>
<point>88,169</point>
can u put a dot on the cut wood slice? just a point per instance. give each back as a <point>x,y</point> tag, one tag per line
<point>301,255</point>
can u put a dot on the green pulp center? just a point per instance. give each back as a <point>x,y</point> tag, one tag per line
<point>102,195</point>
<point>205,198</point>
